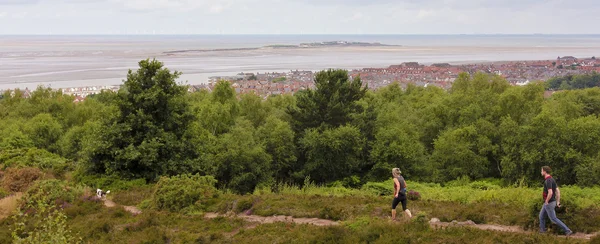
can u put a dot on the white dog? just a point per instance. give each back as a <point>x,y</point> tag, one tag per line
<point>101,193</point>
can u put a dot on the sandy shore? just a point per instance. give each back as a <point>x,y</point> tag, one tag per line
<point>58,64</point>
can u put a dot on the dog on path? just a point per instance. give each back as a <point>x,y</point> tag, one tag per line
<point>101,194</point>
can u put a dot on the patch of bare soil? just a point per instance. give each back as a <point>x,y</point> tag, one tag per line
<point>276,218</point>
<point>436,223</point>
<point>132,209</point>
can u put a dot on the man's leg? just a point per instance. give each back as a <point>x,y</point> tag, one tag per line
<point>552,215</point>
<point>543,219</point>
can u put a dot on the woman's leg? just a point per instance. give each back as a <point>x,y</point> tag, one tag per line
<point>406,211</point>
<point>394,205</point>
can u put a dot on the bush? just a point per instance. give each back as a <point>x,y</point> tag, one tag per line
<point>108,182</point>
<point>18,180</point>
<point>413,195</point>
<point>133,196</point>
<point>483,185</point>
<point>33,157</point>
<point>55,192</point>
<point>3,193</point>
<point>48,225</point>
<point>379,188</point>
<point>180,192</point>
<point>244,204</point>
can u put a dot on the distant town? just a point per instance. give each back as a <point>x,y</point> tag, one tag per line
<point>441,75</point>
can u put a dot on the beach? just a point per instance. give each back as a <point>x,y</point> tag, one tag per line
<point>75,61</point>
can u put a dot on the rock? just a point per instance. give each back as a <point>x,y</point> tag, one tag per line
<point>434,220</point>
<point>469,222</point>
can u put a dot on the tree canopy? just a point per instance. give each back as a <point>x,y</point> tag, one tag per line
<point>338,132</point>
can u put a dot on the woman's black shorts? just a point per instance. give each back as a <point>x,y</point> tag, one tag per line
<point>399,200</point>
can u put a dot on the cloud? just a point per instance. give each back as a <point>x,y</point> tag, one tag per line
<point>20,15</point>
<point>18,2</point>
<point>458,4</point>
<point>424,14</point>
<point>213,6</point>
<point>30,2</point>
<point>299,16</point>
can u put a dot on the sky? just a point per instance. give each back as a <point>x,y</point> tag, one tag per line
<point>75,17</point>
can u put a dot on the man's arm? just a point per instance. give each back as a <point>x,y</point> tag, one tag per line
<point>557,197</point>
<point>549,195</point>
<point>397,188</point>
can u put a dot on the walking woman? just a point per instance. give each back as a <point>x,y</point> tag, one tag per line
<point>399,193</point>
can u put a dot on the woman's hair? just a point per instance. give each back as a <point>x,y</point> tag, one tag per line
<point>396,171</point>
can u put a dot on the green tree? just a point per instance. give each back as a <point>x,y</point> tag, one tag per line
<point>252,108</point>
<point>238,160</point>
<point>332,102</point>
<point>146,139</point>
<point>12,136</point>
<point>44,132</point>
<point>332,154</point>
<point>397,145</point>
<point>278,138</point>
<point>455,155</point>
<point>218,114</point>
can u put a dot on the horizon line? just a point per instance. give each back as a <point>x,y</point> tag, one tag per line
<point>316,34</point>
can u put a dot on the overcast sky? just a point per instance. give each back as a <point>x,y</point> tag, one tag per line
<point>299,16</point>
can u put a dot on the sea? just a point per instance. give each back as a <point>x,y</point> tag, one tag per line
<point>76,61</point>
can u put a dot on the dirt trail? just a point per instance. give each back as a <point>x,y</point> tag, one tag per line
<point>436,223</point>
<point>277,218</point>
<point>132,209</point>
<point>257,220</point>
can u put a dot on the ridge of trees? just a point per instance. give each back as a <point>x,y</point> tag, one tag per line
<point>339,132</point>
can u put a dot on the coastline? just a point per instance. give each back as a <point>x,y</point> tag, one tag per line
<point>199,78</point>
<point>62,62</point>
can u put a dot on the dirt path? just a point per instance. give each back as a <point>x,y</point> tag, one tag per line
<point>257,220</point>
<point>132,209</point>
<point>436,223</point>
<point>277,218</point>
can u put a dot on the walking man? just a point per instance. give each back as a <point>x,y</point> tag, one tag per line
<point>551,200</point>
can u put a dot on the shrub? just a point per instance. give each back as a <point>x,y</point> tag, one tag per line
<point>48,225</point>
<point>483,185</point>
<point>33,157</point>
<point>133,196</point>
<point>332,213</point>
<point>18,180</point>
<point>3,193</point>
<point>244,204</point>
<point>55,192</point>
<point>179,192</point>
<point>379,188</point>
<point>108,182</point>
<point>413,195</point>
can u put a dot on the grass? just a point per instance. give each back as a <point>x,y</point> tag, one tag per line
<point>364,215</point>
<point>132,197</point>
<point>481,202</point>
<point>376,231</point>
<point>98,224</point>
